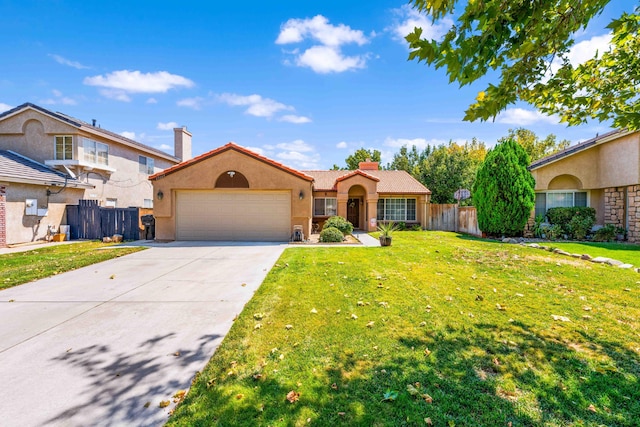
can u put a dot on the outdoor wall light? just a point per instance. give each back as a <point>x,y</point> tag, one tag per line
<point>231,173</point>
<point>301,195</point>
<point>160,194</point>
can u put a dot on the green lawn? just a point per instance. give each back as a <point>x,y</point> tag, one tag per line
<point>624,252</point>
<point>44,261</point>
<point>439,329</point>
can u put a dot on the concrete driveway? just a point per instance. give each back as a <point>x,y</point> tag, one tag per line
<point>103,345</point>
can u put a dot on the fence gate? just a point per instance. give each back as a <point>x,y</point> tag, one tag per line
<point>446,217</point>
<point>89,221</point>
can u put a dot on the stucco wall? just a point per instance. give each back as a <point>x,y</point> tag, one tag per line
<point>31,134</point>
<point>23,228</point>
<point>203,175</point>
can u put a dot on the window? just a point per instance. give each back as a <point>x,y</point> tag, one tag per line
<point>147,203</point>
<point>327,206</point>
<point>145,165</point>
<point>111,203</point>
<point>96,153</point>
<point>396,209</point>
<point>559,199</point>
<point>63,147</point>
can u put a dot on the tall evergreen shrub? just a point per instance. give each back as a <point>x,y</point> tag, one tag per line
<point>504,190</point>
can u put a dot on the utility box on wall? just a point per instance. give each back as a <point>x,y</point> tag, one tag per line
<point>31,207</point>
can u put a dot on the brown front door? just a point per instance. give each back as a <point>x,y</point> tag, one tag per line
<point>353,212</point>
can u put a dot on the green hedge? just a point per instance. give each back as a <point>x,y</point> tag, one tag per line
<point>575,222</point>
<point>331,235</point>
<point>340,223</point>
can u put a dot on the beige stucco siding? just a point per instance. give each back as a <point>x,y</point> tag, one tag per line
<point>29,228</point>
<point>202,175</point>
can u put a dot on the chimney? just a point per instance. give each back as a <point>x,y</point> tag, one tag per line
<point>368,165</point>
<point>182,143</point>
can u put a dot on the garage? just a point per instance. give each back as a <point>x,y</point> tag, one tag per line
<point>233,215</point>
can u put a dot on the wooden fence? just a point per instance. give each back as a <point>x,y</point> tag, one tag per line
<point>451,217</point>
<point>89,221</point>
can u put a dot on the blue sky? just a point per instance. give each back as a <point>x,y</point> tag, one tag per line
<point>305,83</point>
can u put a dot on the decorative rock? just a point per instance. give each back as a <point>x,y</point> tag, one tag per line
<point>561,252</point>
<point>575,255</point>
<point>106,240</point>
<point>614,262</point>
<point>599,260</point>
<point>117,238</point>
<point>509,240</point>
<point>534,245</point>
<point>585,257</point>
<point>625,266</point>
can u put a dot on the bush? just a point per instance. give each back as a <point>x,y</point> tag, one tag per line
<point>331,235</point>
<point>340,223</point>
<point>606,233</point>
<point>504,190</point>
<point>575,222</point>
<point>552,232</point>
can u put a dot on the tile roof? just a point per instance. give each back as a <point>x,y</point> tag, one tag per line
<point>89,128</point>
<point>17,168</point>
<point>226,147</point>
<point>390,181</point>
<point>605,137</point>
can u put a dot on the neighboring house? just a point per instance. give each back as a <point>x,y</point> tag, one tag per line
<point>88,162</point>
<point>232,193</point>
<point>603,173</point>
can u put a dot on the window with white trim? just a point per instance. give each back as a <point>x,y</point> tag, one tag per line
<point>559,199</point>
<point>145,165</point>
<point>396,209</point>
<point>95,152</point>
<point>63,147</point>
<point>147,203</point>
<point>325,206</point>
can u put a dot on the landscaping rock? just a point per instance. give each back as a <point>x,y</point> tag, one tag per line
<point>625,266</point>
<point>599,260</point>
<point>509,240</point>
<point>575,255</point>
<point>614,262</point>
<point>117,238</point>
<point>561,252</point>
<point>534,245</point>
<point>585,257</point>
<point>106,240</point>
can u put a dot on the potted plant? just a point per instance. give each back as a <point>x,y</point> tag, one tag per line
<point>621,233</point>
<point>386,229</point>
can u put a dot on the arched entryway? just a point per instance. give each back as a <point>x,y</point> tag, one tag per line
<point>355,206</point>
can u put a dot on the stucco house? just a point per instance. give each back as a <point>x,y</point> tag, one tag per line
<point>603,173</point>
<point>232,193</point>
<point>62,160</point>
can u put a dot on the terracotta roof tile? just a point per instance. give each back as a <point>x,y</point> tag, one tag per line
<point>226,147</point>
<point>390,182</point>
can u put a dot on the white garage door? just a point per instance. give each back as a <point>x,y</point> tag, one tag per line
<point>233,215</point>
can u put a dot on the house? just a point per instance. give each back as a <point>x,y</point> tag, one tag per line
<point>602,173</point>
<point>61,160</point>
<point>232,193</point>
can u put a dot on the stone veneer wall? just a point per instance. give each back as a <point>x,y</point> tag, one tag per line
<point>614,209</point>
<point>3,216</point>
<point>633,234</point>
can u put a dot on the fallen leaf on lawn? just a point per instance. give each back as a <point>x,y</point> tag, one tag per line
<point>412,390</point>
<point>281,357</point>
<point>560,318</point>
<point>428,307</point>
<point>479,298</point>
<point>427,352</point>
<point>360,303</point>
<point>342,414</point>
<point>383,304</point>
<point>179,396</point>
<point>176,354</point>
<point>592,408</point>
<point>334,386</point>
<point>293,396</point>
<point>340,262</point>
<point>586,308</point>
<point>211,382</point>
<point>258,316</point>
<point>423,324</point>
<point>519,295</point>
<point>501,307</point>
<point>427,398</point>
<point>314,311</point>
<point>257,377</point>
<point>287,327</point>
<point>338,311</point>
<point>239,396</point>
<point>428,421</point>
<point>370,324</point>
<point>258,326</point>
<point>448,298</point>
<point>586,317</point>
<point>353,316</point>
<point>146,405</point>
<point>164,403</point>
<point>496,361</point>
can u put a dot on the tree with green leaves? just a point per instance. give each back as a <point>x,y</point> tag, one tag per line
<point>361,155</point>
<point>527,43</point>
<point>409,160</point>
<point>504,190</point>
<point>535,147</point>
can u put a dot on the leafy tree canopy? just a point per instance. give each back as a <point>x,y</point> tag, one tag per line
<point>361,155</point>
<point>527,43</point>
<point>535,147</point>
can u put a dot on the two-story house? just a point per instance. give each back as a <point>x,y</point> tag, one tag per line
<point>49,160</point>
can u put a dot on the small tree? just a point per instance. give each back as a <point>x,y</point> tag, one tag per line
<point>504,190</point>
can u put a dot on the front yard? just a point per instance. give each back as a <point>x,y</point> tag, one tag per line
<point>437,330</point>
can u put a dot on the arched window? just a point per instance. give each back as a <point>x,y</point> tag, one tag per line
<point>232,179</point>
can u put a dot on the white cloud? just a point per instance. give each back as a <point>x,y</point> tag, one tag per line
<point>581,52</point>
<point>522,117</point>
<point>327,56</point>
<point>319,29</point>
<point>195,103</point>
<point>329,59</point>
<point>118,95</point>
<point>256,104</point>
<point>130,135</point>
<point>152,101</point>
<point>297,145</point>
<point>290,118</point>
<point>5,107</point>
<point>299,160</point>
<point>256,150</point>
<point>341,144</point>
<point>167,126</point>
<point>137,82</point>
<point>420,143</point>
<point>410,18</point>
<point>59,98</point>
<point>64,61</point>
<point>164,147</point>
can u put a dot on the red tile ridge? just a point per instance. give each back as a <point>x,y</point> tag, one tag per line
<point>357,172</point>
<point>229,146</point>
